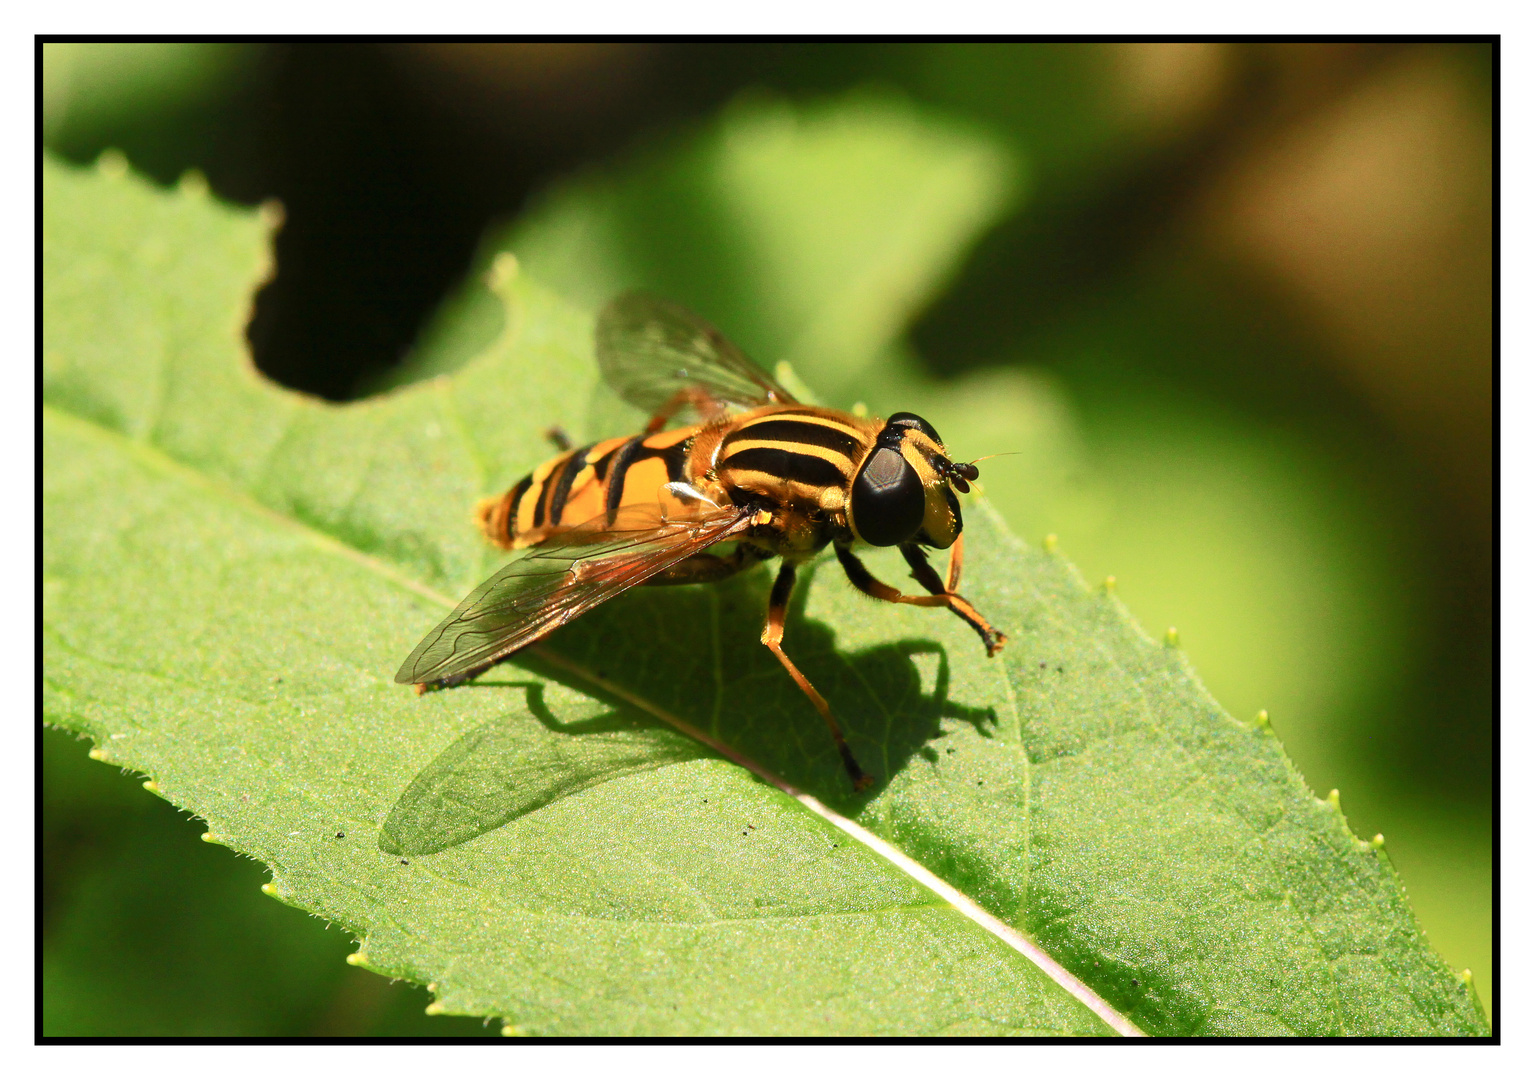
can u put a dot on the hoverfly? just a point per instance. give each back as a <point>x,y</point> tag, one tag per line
<point>755,467</point>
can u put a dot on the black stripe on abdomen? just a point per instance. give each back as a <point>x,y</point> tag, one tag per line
<point>676,458</point>
<point>786,465</point>
<point>561,493</point>
<point>513,501</point>
<point>620,460</point>
<point>806,432</point>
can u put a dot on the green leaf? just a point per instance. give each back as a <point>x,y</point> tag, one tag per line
<point>233,572</point>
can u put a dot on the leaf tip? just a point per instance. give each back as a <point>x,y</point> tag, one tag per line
<point>1263,719</point>
<point>270,888</point>
<point>112,164</point>
<point>1109,583</point>
<point>1335,799</point>
<point>1170,639</point>
<point>272,214</point>
<point>1052,542</point>
<point>511,1031</point>
<point>96,753</point>
<point>503,271</point>
<point>356,959</point>
<point>151,787</point>
<point>1378,841</point>
<point>435,1009</point>
<point>193,184</point>
<point>210,838</point>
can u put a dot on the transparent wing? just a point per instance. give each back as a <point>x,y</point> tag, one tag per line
<point>656,353</point>
<point>553,582</point>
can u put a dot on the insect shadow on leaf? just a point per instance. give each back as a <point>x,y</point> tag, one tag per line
<point>506,768</point>
<point>694,652</point>
<point>890,716</point>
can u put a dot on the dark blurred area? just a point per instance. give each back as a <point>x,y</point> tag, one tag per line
<point>1257,278</point>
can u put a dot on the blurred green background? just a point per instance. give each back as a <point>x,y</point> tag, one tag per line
<point>1231,306</point>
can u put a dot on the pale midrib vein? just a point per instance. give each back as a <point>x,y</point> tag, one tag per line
<point>157,458</point>
<point>903,862</point>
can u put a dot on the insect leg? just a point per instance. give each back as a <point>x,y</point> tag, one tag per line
<point>866,582</point>
<point>923,571</point>
<point>956,561</point>
<point>928,578</point>
<point>706,406</point>
<point>772,637</point>
<point>557,436</point>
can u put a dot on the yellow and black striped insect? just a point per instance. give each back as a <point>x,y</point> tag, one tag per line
<point>754,467</point>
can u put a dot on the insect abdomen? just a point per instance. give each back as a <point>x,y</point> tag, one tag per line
<point>582,484</point>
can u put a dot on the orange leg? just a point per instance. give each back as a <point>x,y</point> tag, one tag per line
<point>772,637</point>
<point>706,407</point>
<point>928,578</point>
<point>956,560</point>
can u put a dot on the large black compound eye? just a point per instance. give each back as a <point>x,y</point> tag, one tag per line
<point>912,420</point>
<point>888,501</point>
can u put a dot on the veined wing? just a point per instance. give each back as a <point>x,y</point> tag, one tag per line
<point>553,582</point>
<point>656,354</point>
